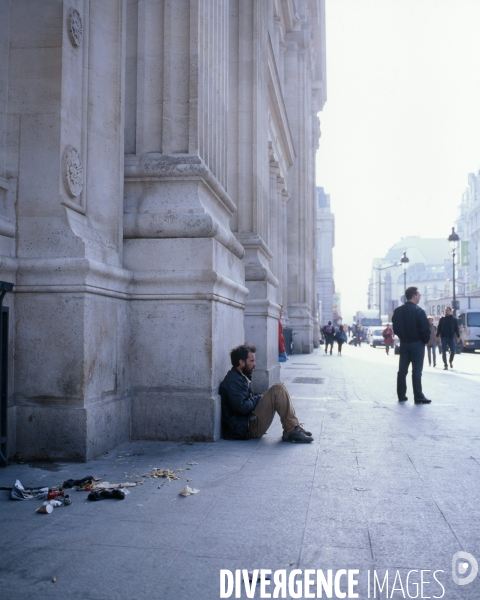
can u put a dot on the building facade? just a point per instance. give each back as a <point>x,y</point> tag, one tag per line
<point>325,245</point>
<point>429,268</point>
<point>468,229</point>
<point>157,204</point>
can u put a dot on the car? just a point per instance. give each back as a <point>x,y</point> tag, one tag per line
<point>376,338</point>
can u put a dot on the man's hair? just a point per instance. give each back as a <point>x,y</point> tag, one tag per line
<point>411,292</point>
<point>448,308</point>
<point>241,353</point>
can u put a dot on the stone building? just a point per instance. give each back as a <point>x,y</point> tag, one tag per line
<point>325,245</point>
<point>468,229</point>
<point>157,204</point>
<point>429,268</point>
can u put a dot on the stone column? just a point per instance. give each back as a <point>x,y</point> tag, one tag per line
<point>66,156</point>
<point>284,250</point>
<point>299,251</point>
<point>188,293</point>
<point>249,183</point>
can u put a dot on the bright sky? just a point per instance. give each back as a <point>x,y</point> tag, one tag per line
<point>400,128</point>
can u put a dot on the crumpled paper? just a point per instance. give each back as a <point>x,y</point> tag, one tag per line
<point>188,491</point>
<point>20,493</point>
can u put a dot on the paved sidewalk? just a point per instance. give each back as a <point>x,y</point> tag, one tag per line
<point>384,486</point>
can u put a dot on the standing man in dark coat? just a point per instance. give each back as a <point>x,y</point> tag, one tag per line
<point>411,325</point>
<point>447,330</point>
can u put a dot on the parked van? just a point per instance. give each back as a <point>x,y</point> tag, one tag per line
<point>469,325</point>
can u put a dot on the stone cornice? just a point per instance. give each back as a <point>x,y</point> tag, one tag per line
<point>179,225</point>
<point>154,167</point>
<point>80,275</point>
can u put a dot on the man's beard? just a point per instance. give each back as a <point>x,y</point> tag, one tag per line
<point>247,372</point>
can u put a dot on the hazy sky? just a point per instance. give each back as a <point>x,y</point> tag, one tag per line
<point>400,128</point>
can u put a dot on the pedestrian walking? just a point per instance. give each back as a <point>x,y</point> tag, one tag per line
<point>341,338</point>
<point>411,325</point>
<point>359,334</point>
<point>329,334</point>
<point>447,331</point>
<point>432,344</point>
<point>388,337</point>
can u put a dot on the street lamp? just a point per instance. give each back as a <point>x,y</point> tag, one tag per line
<point>404,260</point>
<point>453,239</point>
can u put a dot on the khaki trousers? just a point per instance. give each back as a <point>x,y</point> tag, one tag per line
<point>275,400</point>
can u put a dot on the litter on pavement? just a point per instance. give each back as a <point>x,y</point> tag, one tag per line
<point>188,491</point>
<point>20,493</point>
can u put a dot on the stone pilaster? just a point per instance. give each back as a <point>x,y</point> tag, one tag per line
<point>188,293</point>
<point>66,163</point>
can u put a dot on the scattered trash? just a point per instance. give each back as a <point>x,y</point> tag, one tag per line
<point>53,493</point>
<point>45,509</point>
<point>54,579</point>
<point>292,563</point>
<point>166,473</point>
<point>360,489</point>
<point>20,493</point>
<point>105,485</point>
<point>192,463</point>
<point>70,483</point>
<point>106,495</point>
<point>188,491</point>
<point>49,505</point>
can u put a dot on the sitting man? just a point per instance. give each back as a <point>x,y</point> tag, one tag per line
<point>246,416</point>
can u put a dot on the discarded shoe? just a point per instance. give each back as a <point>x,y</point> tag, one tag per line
<point>297,436</point>
<point>106,495</point>
<point>70,483</point>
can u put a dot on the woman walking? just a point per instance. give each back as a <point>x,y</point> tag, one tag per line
<point>432,343</point>
<point>341,338</point>
<point>388,337</point>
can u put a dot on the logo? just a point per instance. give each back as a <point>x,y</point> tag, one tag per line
<point>460,567</point>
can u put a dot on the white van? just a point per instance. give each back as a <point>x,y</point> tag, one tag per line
<point>469,326</point>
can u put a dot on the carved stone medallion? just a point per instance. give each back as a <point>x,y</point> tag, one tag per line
<point>75,27</point>
<point>72,171</point>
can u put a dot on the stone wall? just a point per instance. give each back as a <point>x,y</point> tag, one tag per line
<point>157,204</point>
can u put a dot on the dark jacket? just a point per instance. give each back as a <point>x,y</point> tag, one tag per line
<point>329,335</point>
<point>448,327</point>
<point>410,323</point>
<point>238,402</point>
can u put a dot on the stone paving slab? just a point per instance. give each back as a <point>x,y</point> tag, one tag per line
<point>384,486</point>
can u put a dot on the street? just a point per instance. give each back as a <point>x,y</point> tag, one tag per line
<point>385,486</point>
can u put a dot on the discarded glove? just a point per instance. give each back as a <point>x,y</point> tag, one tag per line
<point>20,493</point>
<point>106,495</point>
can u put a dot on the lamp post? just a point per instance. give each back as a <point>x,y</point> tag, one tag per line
<point>404,260</point>
<point>453,239</point>
<point>380,289</point>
